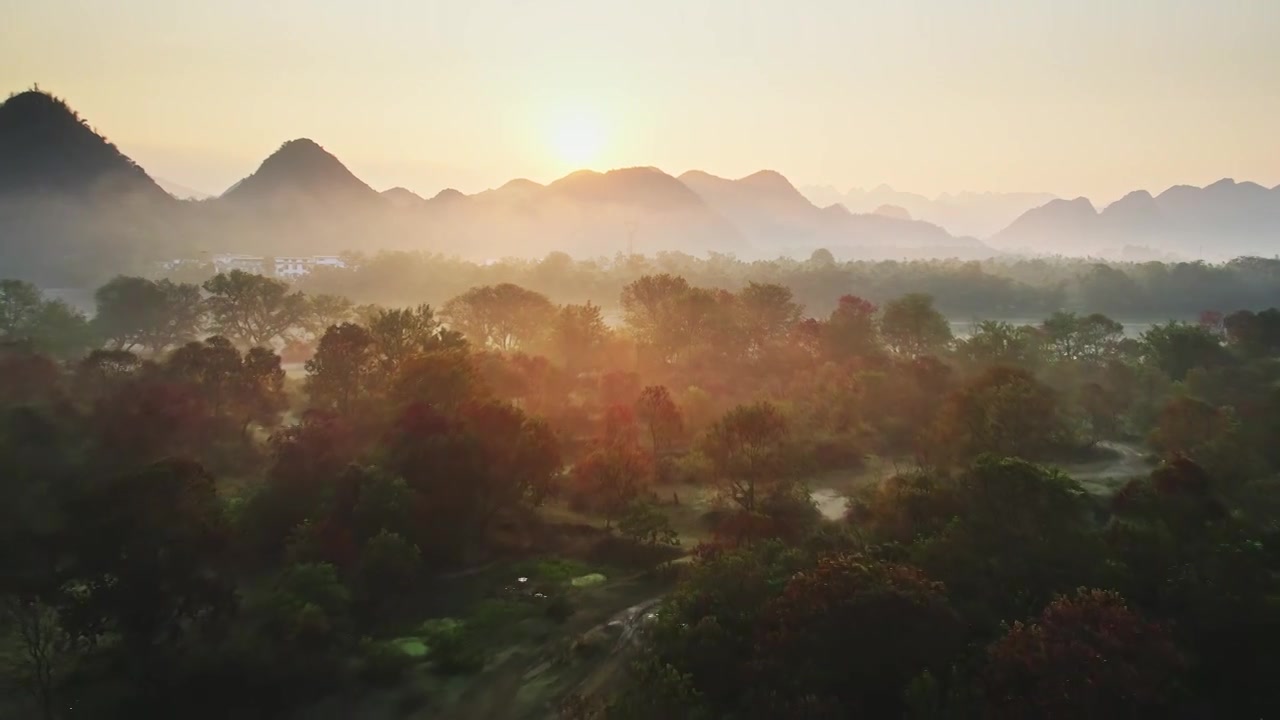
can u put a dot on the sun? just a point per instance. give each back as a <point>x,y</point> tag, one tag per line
<point>578,138</point>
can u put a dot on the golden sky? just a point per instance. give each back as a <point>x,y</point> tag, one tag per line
<point>1092,97</point>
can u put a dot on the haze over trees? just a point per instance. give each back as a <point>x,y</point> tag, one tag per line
<point>175,502</point>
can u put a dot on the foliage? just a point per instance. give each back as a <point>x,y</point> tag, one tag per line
<point>1086,655</point>
<point>253,310</point>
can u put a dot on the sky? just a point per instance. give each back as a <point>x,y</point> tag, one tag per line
<point>1073,97</point>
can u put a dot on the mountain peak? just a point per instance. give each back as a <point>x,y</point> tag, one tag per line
<point>302,167</point>
<point>45,146</point>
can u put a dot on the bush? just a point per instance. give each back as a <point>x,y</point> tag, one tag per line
<point>382,664</point>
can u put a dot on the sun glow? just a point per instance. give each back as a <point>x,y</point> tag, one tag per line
<point>578,138</point>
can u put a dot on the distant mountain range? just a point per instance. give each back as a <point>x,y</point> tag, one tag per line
<point>73,208</point>
<point>1223,220</point>
<point>72,205</point>
<point>966,213</point>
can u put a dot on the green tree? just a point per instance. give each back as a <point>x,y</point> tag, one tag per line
<point>747,448</point>
<point>504,317</point>
<point>150,556</point>
<point>1004,411</point>
<point>49,326</point>
<point>646,523</point>
<point>324,311</point>
<point>252,309</point>
<point>401,335</point>
<point>343,370</point>
<point>766,314</point>
<point>912,327</point>
<point>1176,348</point>
<point>134,312</point>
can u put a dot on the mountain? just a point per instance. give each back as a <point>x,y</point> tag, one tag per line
<point>779,219</point>
<point>1222,220</point>
<point>966,213</point>
<point>301,170</point>
<point>403,198</point>
<point>71,204</point>
<point>46,147</point>
<point>180,191</point>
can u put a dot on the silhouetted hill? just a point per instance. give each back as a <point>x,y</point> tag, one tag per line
<point>302,170</point>
<point>72,206</point>
<point>771,213</point>
<point>403,198</point>
<point>45,147</point>
<point>979,214</point>
<point>1225,219</point>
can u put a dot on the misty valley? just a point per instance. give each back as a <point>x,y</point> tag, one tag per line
<point>628,445</point>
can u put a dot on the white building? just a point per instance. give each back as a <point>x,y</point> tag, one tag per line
<point>296,267</point>
<point>226,262</point>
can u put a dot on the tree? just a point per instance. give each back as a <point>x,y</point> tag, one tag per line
<point>45,650</point>
<point>401,335</point>
<point>324,311</point>
<point>252,309</point>
<point>577,334</point>
<point>611,478</point>
<point>767,312</point>
<point>504,317</point>
<point>659,413</point>
<point>1087,655</point>
<point>390,566</point>
<point>647,305</point>
<point>1004,411</point>
<point>150,555</point>
<point>239,390</point>
<point>849,635</point>
<point>343,369</point>
<point>996,342</point>
<point>912,327</point>
<point>851,329</point>
<point>135,312</point>
<point>1176,348</point>
<point>480,460</point>
<point>645,523</point>
<point>48,326</point>
<point>1004,535</point>
<point>746,447</point>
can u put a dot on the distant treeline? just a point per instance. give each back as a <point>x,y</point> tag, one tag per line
<point>1005,288</point>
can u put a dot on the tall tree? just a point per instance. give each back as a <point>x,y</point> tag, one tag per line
<point>659,413</point>
<point>1005,411</point>
<point>911,326</point>
<point>324,311</point>
<point>49,326</point>
<point>252,309</point>
<point>1086,655</point>
<point>648,303</point>
<point>851,330</point>
<point>767,313</point>
<point>504,317</point>
<point>343,370</point>
<point>577,334</point>
<point>746,447</point>
<point>402,334</point>
<point>152,315</point>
